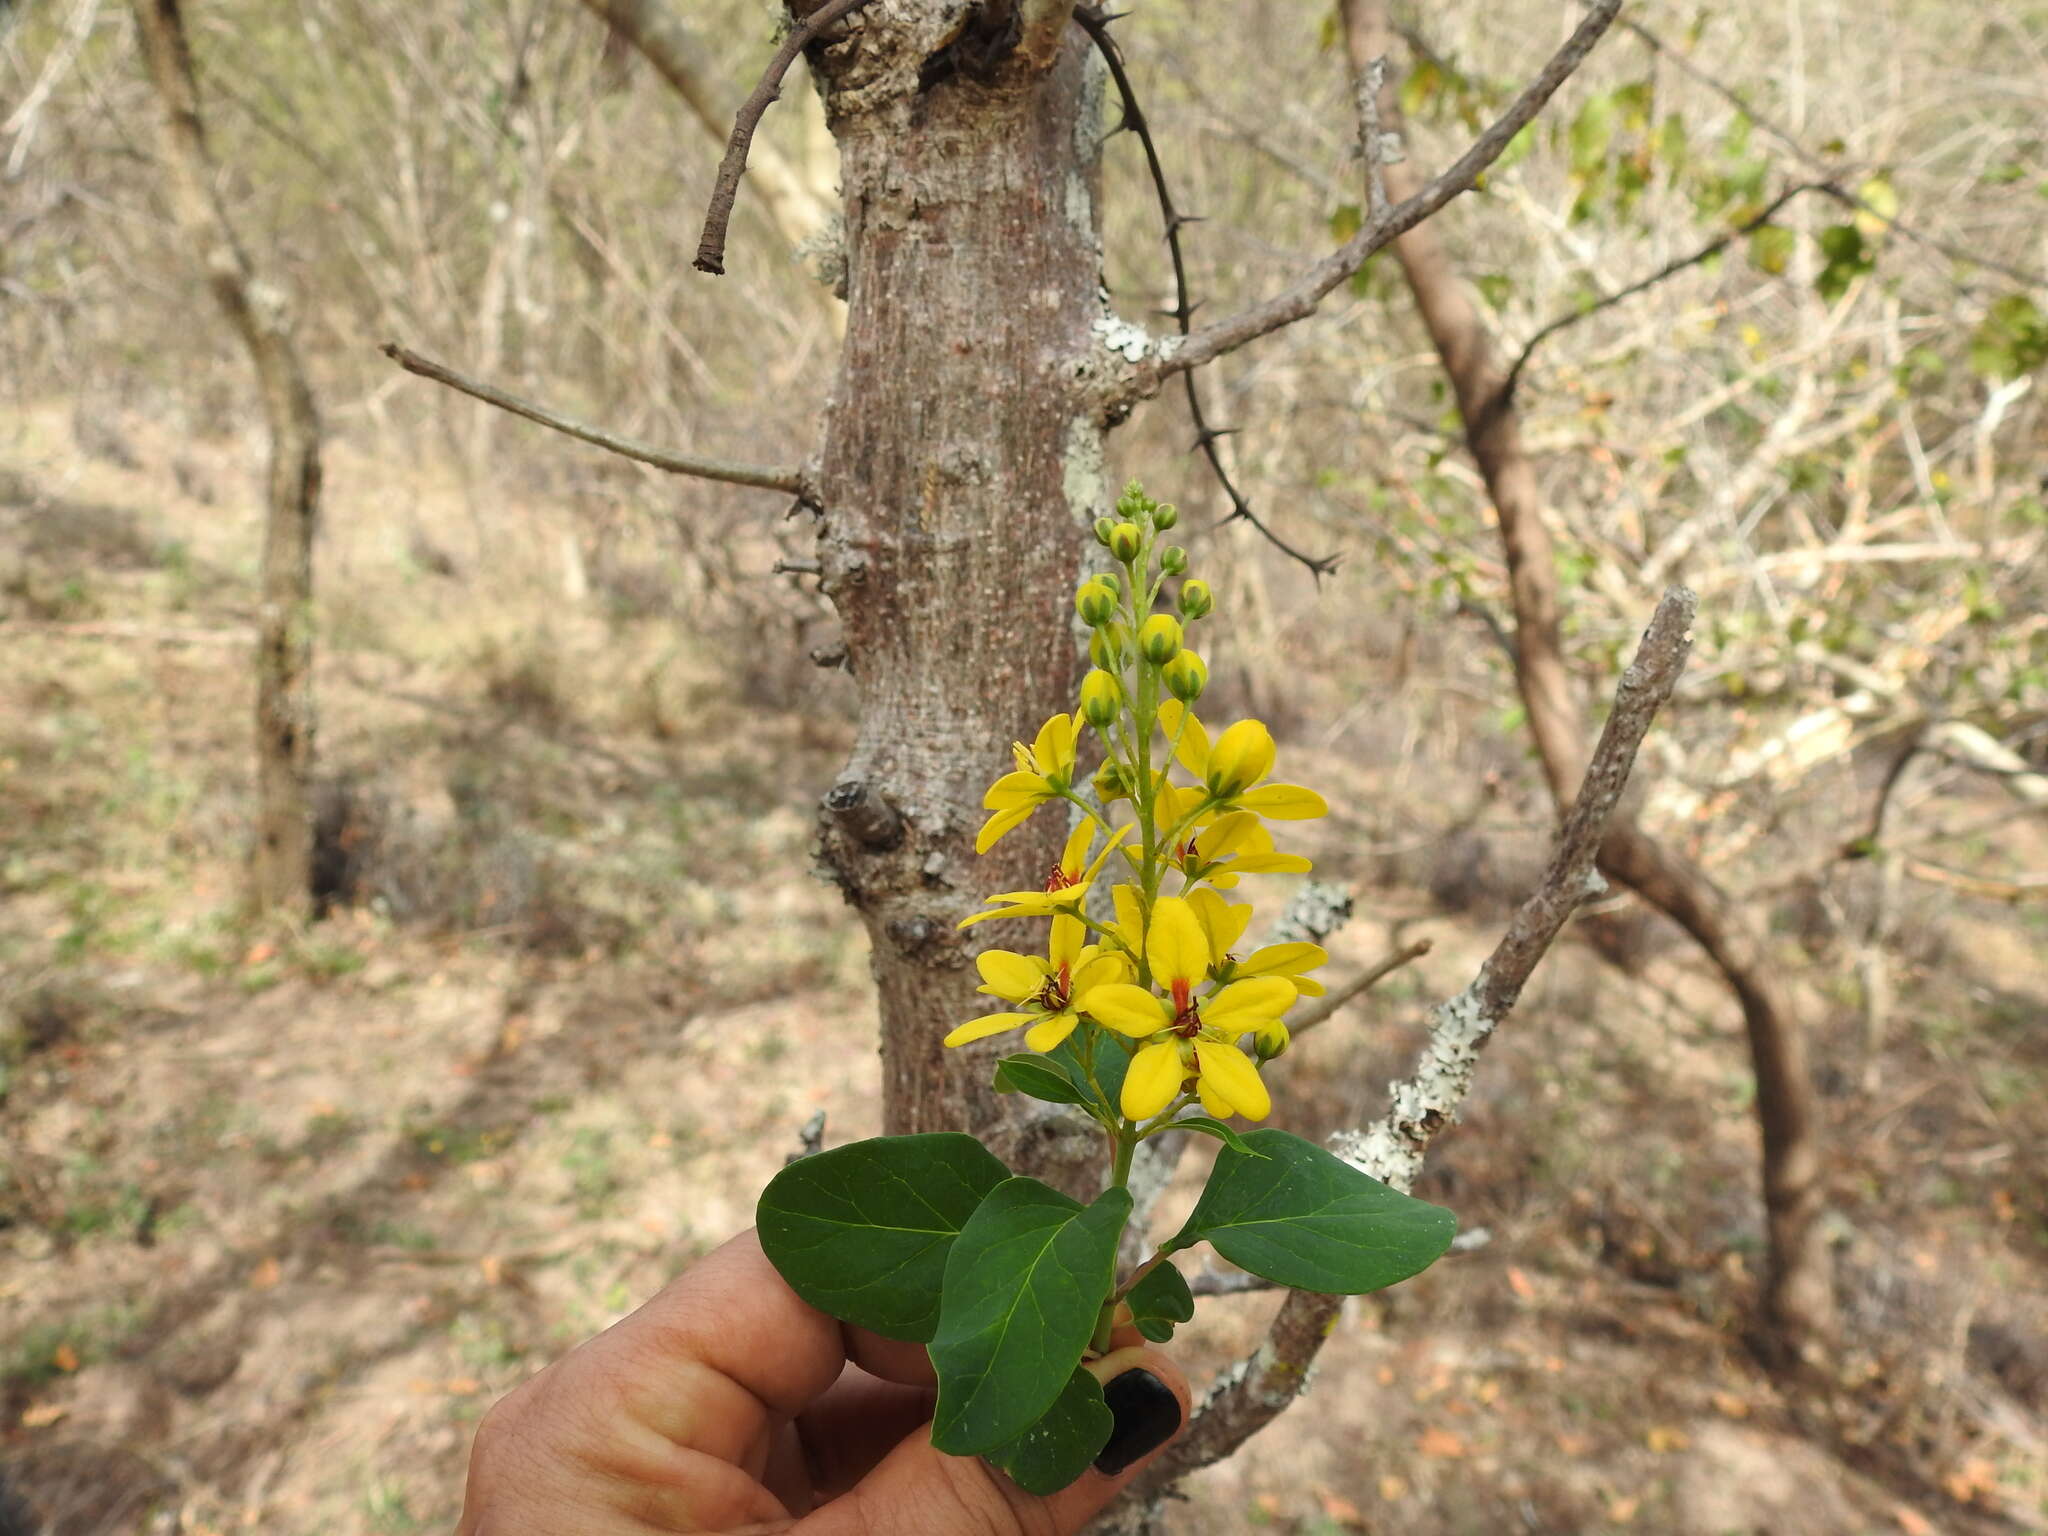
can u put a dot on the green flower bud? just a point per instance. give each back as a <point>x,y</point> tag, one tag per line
<point>1106,646</point>
<point>1186,676</point>
<point>1134,503</point>
<point>1110,783</point>
<point>1095,603</point>
<point>1196,601</point>
<point>1101,698</point>
<point>1173,559</point>
<point>1124,541</point>
<point>1102,527</point>
<point>1109,579</point>
<point>1164,516</point>
<point>1159,638</point>
<point>1271,1041</point>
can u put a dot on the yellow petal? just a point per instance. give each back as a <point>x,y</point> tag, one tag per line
<point>1231,1074</point>
<point>1283,960</point>
<point>1054,749</point>
<point>1242,756</point>
<point>1013,790</point>
<point>1129,1010</point>
<point>1067,934</point>
<point>1049,1032</point>
<point>1076,852</point>
<point>1174,945</point>
<point>1010,975</point>
<point>1192,753</point>
<point>1095,868</point>
<point>1308,986</point>
<point>1284,802</point>
<point>1222,923</point>
<point>1102,970</point>
<point>1130,916</point>
<point>999,824</point>
<point>1154,1078</point>
<point>1270,864</point>
<point>1213,1103</point>
<point>1245,1005</point>
<point>988,1024</point>
<point>1238,832</point>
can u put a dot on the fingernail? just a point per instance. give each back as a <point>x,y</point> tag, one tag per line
<point>1146,1412</point>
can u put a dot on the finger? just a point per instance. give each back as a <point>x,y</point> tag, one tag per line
<point>919,1491</point>
<point>723,1355</point>
<point>891,1359</point>
<point>852,1427</point>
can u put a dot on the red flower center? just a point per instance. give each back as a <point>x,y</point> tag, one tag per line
<point>1187,1020</point>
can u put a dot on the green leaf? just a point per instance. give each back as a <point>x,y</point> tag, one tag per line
<point>2011,340</point>
<point>1059,1447</point>
<point>1159,1301</point>
<point>1207,1127</point>
<point>1299,1216</point>
<point>1591,132</point>
<point>1110,1061</point>
<point>1346,221</point>
<point>1036,1078</point>
<point>1848,258</point>
<point>1880,207</point>
<point>862,1232</point>
<point>1024,1285</point>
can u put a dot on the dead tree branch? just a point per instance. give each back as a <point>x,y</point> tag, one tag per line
<point>1252,1394</point>
<point>1799,1298</point>
<point>1664,273</point>
<point>763,477</point>
<point>711,246</point>
<point>1326,1007</point>
<point>679,57</point>
<point>1299,300</point>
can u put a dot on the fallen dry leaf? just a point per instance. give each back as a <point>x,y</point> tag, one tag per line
<point>1663,1438</point>
<point>1519,1283</point>
<point>1441,1443</point>
<point>1574,1445</point>
<point>1393,1487</point>
<point>64,1357</point>
<point>258,953</point>
<point>1912,1522</point>
<point>1731,1405</point>
<point>1973,1478</point>
<point>1622,1509</point>
<point>265,1275</point>
<point>1338,1508</point>
<point>38,1415</point>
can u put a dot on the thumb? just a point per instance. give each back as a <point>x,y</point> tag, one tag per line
<point>919,1491</point>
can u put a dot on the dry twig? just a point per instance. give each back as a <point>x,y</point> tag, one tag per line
<point>766,478</point>
<point>1326,1007</point>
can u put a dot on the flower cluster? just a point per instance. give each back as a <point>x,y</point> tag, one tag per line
<point>1162,983</point>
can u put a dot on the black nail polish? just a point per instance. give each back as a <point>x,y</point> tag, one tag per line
<point>1146,1412</point>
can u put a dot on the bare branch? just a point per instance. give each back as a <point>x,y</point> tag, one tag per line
<point>1815,161</point>
<point>1299,301</point>
<point>1207,437</point>
<point>1669,270</point>
<point>1253,1393</point>
<point>1326,1007</point>
<point>793,481</point>
<point>711,246</point>
<point>678,54</point>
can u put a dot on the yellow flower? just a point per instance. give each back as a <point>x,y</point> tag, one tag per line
<point>1232,845</point>
<point>1185,1037</point>
<point>1223,924</point>
<point>1045,771</point>
<point>1239,760</point>
<point>1053,992</point>
<point>1065,888</point>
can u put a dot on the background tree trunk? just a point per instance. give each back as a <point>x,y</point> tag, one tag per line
<point>282,864</point>
<point>1798,1297</point>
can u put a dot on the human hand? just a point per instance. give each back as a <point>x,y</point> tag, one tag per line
<point>728,1405</point>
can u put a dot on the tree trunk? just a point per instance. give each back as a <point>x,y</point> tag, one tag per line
<point>281,870</point>
<point>1798,1297</point>
<point>959,473</point>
